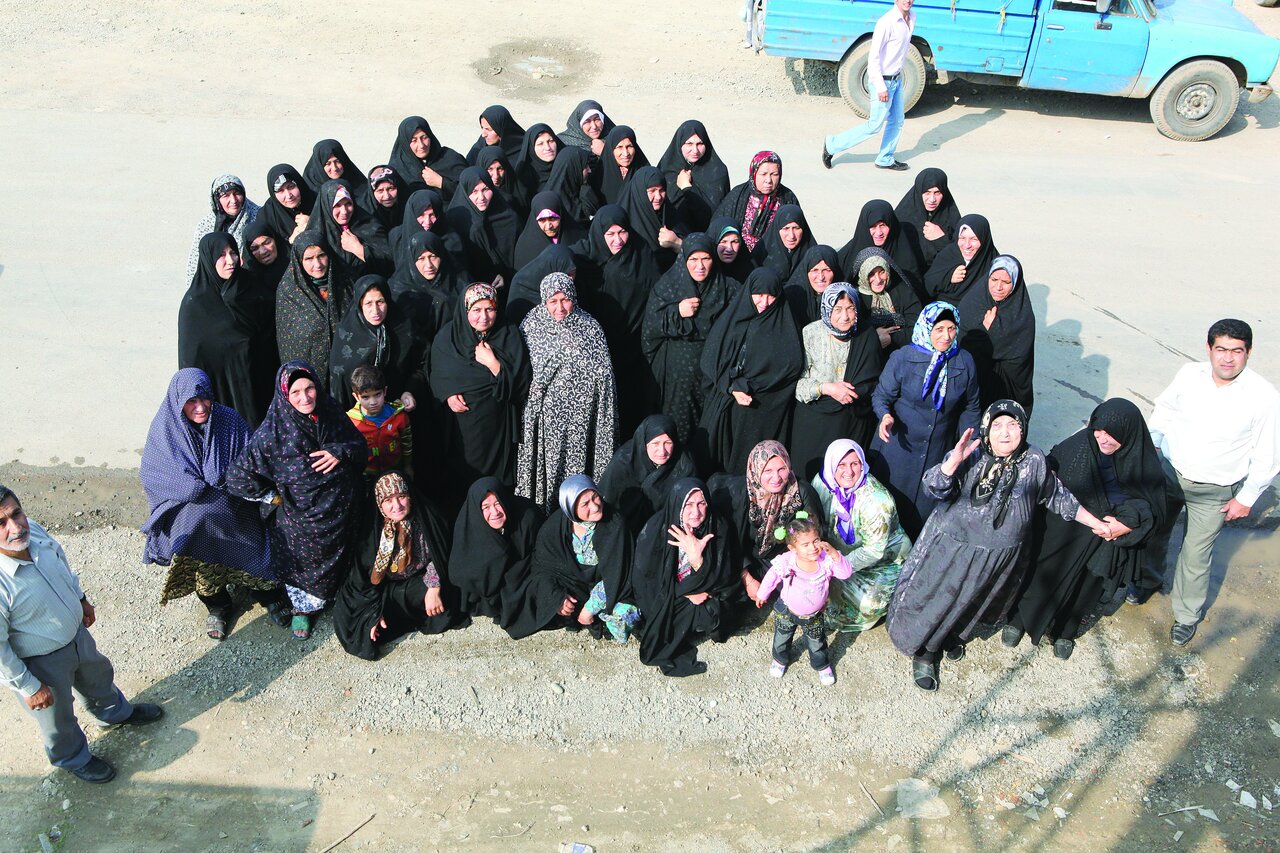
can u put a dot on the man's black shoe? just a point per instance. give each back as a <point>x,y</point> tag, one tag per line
<point>96,771</point>
<point>896,165</point>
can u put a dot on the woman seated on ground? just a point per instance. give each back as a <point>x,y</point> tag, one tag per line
<point>640,473</point>
<point>930,208</point>
<point>864,527</point>
<point>581,576</point>
<point>493,542</point>
<point>208,538</point>
<point>750,364</point>
<point>570,415</point>
<point>399,579</point>
<point>928,395</point>
<point>752,205</point>
<point>999,331</point>
<point>893,303</point>
<point>305,460</point>
<point>480,374</point>
<point>817,270</point>
<point>843,360</point>
<point>971,557</point>
<point>230,211</point>
<point>1112,468</point>
<point>684,579</point>
<point>758,505</point>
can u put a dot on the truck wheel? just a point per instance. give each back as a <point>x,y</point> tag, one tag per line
<point>1195,101</point>
<point>854,86</point>
<point>1268,2</point>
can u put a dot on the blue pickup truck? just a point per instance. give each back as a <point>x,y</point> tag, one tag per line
<point>1190,57</point>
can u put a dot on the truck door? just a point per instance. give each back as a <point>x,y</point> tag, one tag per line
<point>1082,51</point>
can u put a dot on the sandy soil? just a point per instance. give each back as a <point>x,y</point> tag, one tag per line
<point>115,119</point>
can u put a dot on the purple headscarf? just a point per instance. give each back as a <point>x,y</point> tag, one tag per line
<point>183,470</point>
<point>842,500</point>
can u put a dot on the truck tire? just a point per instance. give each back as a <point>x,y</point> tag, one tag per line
<point>1268,2</point>
<point>852,78</point>
<point>1195,101</point>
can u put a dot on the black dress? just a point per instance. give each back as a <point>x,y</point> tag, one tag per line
<point>937,281</point>
<point>446,162</point>
<point>773,254</point>
<point>308,310</point>
<point>377,250</point>
<point>609,181</point>
<point>672,623</point>
<point>429,301</point>
<point>489,235</point>
<point>646,222</point>
<point>901,244</point>
<point>391,346</point>
<point>491,567</point>
<point>580,198</point>
<point>913,214</point>
<point>709,176</point>
<point>634,483</point>
<point>1005,354</point>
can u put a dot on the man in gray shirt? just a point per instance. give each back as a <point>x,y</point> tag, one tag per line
<point>46,649</point>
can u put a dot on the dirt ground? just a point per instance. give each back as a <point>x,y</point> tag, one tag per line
<point>114,121</point>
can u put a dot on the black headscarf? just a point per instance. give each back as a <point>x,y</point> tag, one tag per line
<point>912,213</point>
<point>579,196</point>
<point>445,161</point>
<point>419,203</point>
<point>490,566</point>
<point>710,176</point>
<point>488,236</point>
<point>526,286</point>
<point>377,251</point>
<point>610,181</point>
<point>308,311</point>
<point>614,288</point>
<point>511,189</point>
<point>314,173</point>
<point>217,323</point>
<point>388,217</point>
<point>572,133</point>
<point>633,483</point>
<point>743,264</point>
<point>901,244</point>
<point>282,219</point>
<point>772,254</point>
<point>532,240</point>
<point>672,621</point>
<point>400,602</point>
<point>998,474</point>
<point>1004,354</point>
<point>805,302</point>
<point>645,221</point>
<point>937,281</point>
<point>389,346</point>
<point>270,274</point>
<point>534,172</point>
<point>429,302</point>
<point>510,133</point>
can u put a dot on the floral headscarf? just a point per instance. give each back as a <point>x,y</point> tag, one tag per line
<point>830,297</point>
<point>760,208</point>
<point>935,376</point>
<point>395,548</point>
<point>999,473</point>
<point>766,511</point>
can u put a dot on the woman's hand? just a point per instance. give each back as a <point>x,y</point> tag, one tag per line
<point>958,274</point>
<point>432,602</point>
<point>375,633</point>
<point>684,180</point>
<point>586,617</point>
<point>750,584</point>
<point>1099,527</point>
<point>960,452</point>
<point>841,392</point>
<point>597,147</point>
<point>932,231</point>
<point>570,605</point>
<point>742,398</point>
<point>692,546</point>
<point>352,244</point>
<point>406,400</point>
<point>989,317</point>
<point>886,427</point>
<point>1115,528</point>
<point>668,239</point>
<point>486,358</point>
<point>698,597</point>
<point>300,224</point>
<point>431,177</point>
<point>498,282</point>
<point>323,461</point>
<point>885,334</point>
<point>458,405</point>
<point>689,307</point>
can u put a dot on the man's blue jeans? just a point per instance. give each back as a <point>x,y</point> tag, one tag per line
<point>886,114</point>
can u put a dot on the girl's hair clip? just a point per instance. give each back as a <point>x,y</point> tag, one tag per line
<point>780,533</point>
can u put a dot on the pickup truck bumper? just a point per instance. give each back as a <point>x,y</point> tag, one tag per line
<point>1259,93</point>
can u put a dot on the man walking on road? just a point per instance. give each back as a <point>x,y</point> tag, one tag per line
<point>1216,429</point>
<point>46,649</point>
<point>889,44</point>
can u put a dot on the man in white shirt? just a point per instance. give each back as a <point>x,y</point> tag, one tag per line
<point>890,42</point>
<point>1216,429</point>
<point>46,649</point>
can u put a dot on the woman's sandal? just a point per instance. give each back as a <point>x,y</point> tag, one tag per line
<point>956,653</point>
<point>925,675</point>
<point>215,627</point>
<point>301,626</point>
<point>281,613</point>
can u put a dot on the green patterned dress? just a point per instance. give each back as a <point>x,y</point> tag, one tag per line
<point>880,549</point>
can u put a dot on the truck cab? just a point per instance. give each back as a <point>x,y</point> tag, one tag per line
<point>1190,57</point>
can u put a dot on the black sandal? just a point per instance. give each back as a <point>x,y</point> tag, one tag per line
<point>281,613</point>
<point>956,653</point>
<point>925,674</point>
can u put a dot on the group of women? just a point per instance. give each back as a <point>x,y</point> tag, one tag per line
<point>605,362</point>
